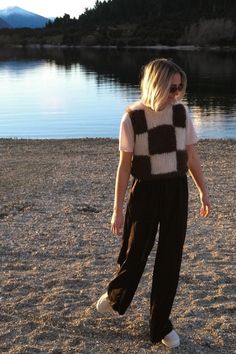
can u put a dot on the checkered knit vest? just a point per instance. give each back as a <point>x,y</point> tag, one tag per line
<point>159,151</point>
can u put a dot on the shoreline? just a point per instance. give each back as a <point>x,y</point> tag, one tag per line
<point>58,254</point>
<point>97,139</point>
<point>157,46</point>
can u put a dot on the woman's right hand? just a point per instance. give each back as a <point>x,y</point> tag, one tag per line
<point>117,222</point>
<point>122,179</point>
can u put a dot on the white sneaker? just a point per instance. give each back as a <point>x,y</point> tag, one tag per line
<point>171,340</point>
<point>103,305</point>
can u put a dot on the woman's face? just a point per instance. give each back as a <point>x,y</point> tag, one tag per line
<point>176,86</point>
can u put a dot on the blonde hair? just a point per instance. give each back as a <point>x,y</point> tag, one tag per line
<point>156,82</point>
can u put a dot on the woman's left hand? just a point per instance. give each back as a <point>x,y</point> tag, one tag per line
<point>205,205</point>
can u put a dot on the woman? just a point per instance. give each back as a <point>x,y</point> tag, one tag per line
<point>157,147</point>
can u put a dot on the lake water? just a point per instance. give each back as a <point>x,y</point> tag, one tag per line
<point>78,92</point>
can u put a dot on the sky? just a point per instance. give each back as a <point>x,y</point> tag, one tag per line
<point>51,8</point>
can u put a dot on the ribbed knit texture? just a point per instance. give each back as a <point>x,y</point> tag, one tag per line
<point>160,143</point>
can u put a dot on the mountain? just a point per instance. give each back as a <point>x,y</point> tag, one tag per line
<point>4,24</point>
<point>17,18</point>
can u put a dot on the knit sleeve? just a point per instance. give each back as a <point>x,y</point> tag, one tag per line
<point>126,136</point>
<point>191,136</point>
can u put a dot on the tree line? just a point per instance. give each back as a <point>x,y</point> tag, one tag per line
<point>138,22</point>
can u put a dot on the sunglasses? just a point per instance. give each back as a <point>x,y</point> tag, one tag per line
<point>174,88</point>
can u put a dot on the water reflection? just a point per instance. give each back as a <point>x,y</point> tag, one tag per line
<point>211,93</point>
<point>210,73</point>
<point>14,68</point>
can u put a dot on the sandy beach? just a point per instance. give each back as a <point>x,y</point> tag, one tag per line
<point>58,254</point>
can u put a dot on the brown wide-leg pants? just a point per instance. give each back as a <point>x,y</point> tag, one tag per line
<point>162,204</point>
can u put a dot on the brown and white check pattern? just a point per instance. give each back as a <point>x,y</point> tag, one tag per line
<point>160,148</point>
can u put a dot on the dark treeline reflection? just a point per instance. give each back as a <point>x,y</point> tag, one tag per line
<point>211,73</point>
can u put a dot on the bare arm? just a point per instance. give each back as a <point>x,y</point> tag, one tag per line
<point>196,173</point>
<point>122,179</point>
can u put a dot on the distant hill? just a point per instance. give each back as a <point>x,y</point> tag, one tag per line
<point>18,18</point>
<point>129,23</point>
<point>160,21</point>
<point>4,24</point>
<point>151,22</point>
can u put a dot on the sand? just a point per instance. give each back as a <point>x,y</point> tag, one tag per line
<point>58,254</point>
